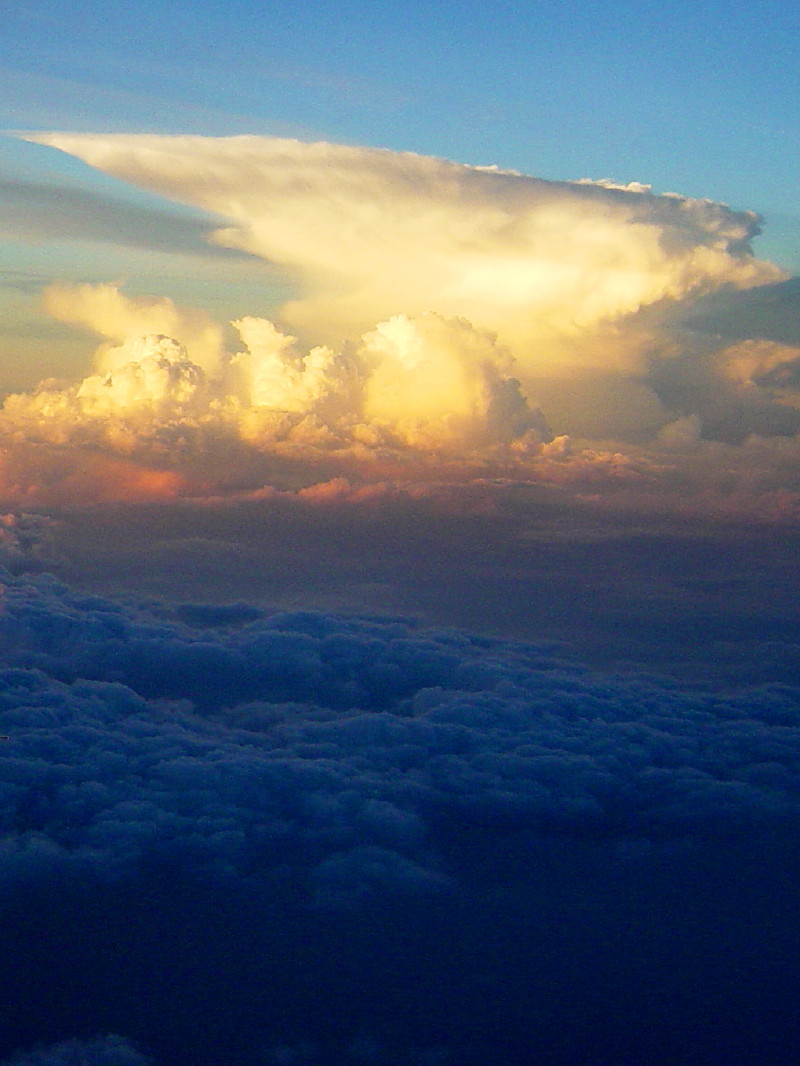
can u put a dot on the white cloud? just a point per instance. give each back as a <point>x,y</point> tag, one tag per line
<point>107,311</point>
<point>440,306</point>
<point>372,233</point>
<point>435,381</point>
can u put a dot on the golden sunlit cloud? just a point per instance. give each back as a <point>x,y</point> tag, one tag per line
<point>446,313</point>
<point>122,319</point>
<point>430,383</point>
<point>371,233</point>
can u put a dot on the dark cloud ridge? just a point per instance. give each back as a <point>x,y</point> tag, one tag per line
<point>101,1051</point>
<point>771,312</point>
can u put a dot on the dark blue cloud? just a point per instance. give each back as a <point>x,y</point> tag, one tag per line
<point>345,748</point>
<point>235,835</point>
<point>102,1051</point>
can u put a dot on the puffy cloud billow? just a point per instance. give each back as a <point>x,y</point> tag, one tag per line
<point>430,384</point>
<point>417,403</point>
<point>247,744</point>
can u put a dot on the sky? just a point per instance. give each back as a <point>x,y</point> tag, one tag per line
<point>399,529</point>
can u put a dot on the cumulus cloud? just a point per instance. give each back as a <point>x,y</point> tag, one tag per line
<point>421,407</point>
<point>436,379</point>
<point>429,383</point>
<point>121,319</point>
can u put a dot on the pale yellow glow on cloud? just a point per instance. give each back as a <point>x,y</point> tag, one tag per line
<point>153,396</point>
<point>440,307</point>
<point>437,380</point>
<point>105,310</point>
<point>371,233</point>
<point>433,384</point>
<point>273,372</point>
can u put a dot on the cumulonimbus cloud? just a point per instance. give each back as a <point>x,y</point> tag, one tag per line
<point>441,310</point>
<point>371,233</point>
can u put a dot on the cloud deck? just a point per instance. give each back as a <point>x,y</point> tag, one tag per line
<point>313,764</point>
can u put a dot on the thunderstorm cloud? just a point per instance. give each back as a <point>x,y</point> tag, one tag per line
<point>442,311</point>
<point>373,233</point>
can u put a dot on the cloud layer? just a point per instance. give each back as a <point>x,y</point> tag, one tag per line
<point>244,744</point>
<point>102,1051</point>
<point>304,838</point>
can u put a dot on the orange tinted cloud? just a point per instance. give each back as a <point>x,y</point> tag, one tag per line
<point>41,476</point>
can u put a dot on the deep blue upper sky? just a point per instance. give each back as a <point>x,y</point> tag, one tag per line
<point>701,100</point>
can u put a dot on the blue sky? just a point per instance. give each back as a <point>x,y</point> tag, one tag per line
<point>701,100</point>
